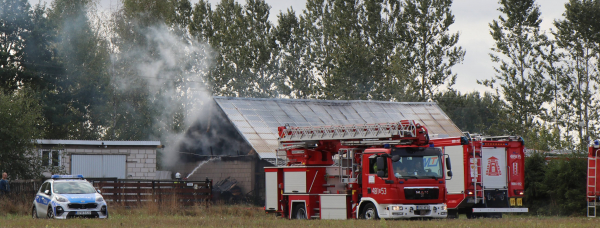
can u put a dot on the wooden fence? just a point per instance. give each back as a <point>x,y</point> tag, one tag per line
<point>135,192</point>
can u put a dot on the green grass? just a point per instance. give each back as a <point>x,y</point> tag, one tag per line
<point>248,216</point>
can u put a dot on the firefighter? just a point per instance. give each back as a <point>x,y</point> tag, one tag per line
<point>418,167</point>
<point>400,170</point>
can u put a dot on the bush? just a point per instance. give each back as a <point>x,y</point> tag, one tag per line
<point>556,187</point>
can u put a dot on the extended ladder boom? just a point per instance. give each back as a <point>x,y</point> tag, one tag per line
<point>405,129</point>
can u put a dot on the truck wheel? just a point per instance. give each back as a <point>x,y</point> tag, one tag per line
<point>299,212</point>
<point>452,214</point>
<point>369,212</point>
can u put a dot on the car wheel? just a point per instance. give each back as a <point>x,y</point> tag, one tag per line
<point>50,213</point>
<point>369,212</point>
<point>300,212</point>
<point>34,213</point>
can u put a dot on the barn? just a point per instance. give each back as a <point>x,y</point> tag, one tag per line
<point>240,137</point>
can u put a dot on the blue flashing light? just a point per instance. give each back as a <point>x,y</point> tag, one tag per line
<point>387,146</point>
<point>78,176</point>
<point>431,145</point>
<point>597,142</point>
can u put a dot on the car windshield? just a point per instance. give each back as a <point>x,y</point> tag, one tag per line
<point>421,164</point>
<point>73,187</point>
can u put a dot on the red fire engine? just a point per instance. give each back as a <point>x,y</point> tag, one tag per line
<point>593,193</point>
<point>490,181</point>
<point>365,171</point>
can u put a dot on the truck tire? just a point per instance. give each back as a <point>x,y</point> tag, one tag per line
<point>369,212</point>
<point>452,214</point>
<point>299,212</point>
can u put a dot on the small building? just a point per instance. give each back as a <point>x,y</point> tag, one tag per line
<point>100,159</point>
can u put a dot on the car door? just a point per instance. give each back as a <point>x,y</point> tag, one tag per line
<point>45,201</point>
<point>41,200</point>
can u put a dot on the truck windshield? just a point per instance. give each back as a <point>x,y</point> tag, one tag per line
<point>418,163</point>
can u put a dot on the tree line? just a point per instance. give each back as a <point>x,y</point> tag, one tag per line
<point>138,73</point>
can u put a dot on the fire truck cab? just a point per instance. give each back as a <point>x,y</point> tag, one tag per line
<point>402,182</point>
<point>366,171</point>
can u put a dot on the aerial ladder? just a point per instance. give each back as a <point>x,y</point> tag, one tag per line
<point>592,181</point>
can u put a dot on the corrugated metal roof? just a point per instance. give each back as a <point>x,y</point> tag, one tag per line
<point>257,119</point>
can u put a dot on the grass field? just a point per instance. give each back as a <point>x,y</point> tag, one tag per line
<point>248,216</point>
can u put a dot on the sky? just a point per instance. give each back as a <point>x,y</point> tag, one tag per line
<point>472,18</point>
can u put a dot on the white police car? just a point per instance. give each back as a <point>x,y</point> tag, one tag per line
<point>68,196</point>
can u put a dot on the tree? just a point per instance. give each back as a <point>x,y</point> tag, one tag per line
<point>241,36</point>
<point>473,112</point>
<point>22,123</point>
<point>430,49</point>
<point>536,196</point>
<point>15,29</point>
<point>565,182</point>
<point>79,95</point>
<point>578,35</point>
<point>520,74</point>
<point>351,64</point>
<point>291,66</point>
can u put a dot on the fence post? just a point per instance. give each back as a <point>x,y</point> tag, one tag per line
<point>153,193</point>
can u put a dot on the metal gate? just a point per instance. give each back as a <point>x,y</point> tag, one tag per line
<point>99,165</point>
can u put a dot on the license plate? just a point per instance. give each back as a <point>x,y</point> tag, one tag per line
<point>422,207</point>
<point>84,213</point>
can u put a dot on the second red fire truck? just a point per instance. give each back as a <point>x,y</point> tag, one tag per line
<point>364,171</point>
<point>488,175</point>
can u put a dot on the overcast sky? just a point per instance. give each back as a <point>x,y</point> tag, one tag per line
<point>471,21</point>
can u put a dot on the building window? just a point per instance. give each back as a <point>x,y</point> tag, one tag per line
<point>50,158</point>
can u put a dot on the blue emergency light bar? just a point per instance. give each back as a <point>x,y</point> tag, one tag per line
<point>78,176</point>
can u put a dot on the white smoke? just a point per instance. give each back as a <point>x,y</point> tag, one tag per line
<point>173,68</point>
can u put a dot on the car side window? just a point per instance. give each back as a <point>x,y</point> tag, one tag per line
<point>48,187</point>
<point>43,187</point>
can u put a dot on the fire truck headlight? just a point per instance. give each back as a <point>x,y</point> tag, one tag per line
<point>396,208</point>
<point>470,193</point>
<point>521,192</point>
<point>444,207</point>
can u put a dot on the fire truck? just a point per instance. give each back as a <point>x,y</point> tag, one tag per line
<point>366,171</point>
<point>593,193</point>
<point>491,179</point>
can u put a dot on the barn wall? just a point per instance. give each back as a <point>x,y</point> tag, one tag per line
<point>217,170</point>
<point>248,171</point>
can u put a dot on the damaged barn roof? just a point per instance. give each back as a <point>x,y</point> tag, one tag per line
<point>257,119</point>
